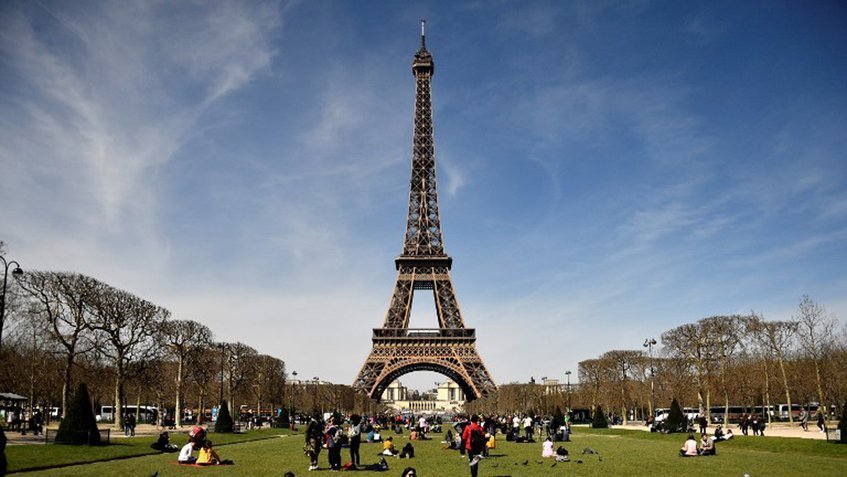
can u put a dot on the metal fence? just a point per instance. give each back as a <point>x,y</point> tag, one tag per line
<point>83,436</point>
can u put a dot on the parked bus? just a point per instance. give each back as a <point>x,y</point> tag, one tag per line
<point>690,413</point>
<point>777,412</point>
<point>147,414</point>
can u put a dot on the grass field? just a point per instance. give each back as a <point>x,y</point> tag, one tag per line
<point>621,452</point>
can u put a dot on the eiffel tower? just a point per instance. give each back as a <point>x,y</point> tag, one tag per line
<point>449,349</point>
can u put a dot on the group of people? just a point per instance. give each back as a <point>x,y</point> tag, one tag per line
<point>129,425</point>
<point>471,440</point>
<point>17,420</point>
<point>691,449</point>
<point>804,421</point>
<point>333,437</point>
<point>206,455</point>
<point>752,423</point>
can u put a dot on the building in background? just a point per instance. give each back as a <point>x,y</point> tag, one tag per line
<point>446,398</point>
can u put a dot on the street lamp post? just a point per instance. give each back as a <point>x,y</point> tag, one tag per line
<point>222,346</point>
<point>568,376</point>
<point>649,343</point>
<point>291,402</point>
<point>16,272</point>
<point>316,380</point>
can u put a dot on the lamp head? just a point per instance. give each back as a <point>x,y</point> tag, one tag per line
<point>17,272</point>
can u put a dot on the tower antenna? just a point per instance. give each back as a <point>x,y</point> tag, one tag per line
<point>423,33</point>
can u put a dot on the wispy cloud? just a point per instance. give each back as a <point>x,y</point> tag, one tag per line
<point>103,109</point>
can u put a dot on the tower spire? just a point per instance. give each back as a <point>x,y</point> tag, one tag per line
<point>423,34</point>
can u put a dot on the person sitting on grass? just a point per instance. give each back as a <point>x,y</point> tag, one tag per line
<point>164,444</point>
<point>208,456</point>
<point>408,451</point>
<point>489,444</point>
<point>388,446</point>
<point>547,448</point>
<point>409,472</point>
<point>707,447</point>
<point>185,456</point>
<point>449,440</point>
<point>689,449</point>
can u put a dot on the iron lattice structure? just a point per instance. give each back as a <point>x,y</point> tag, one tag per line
<point>449,349</point>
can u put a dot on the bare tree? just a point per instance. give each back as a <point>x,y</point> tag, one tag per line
<point>240,361</point>
<point>776,337</point>
<point>127,324</point>
<point>723,335</point>
<point>181,337</point>
<point>595,375</point>
<point>620,363</point>
<point>269,379</point>
<point>202,362</point>
<point>690,343</point>
<point>63,300</point>
<point>816,332</point>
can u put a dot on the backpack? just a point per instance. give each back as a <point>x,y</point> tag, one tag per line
<point>477,440</point>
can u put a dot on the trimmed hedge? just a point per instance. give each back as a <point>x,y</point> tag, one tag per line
<point>599,420</point>
<point>675,419</point>
<point>224,422</point>
<point>79,426</point>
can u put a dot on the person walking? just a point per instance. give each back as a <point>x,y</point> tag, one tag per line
<point>355,436</point>
<point>131,424</point>
<point>334,441</point>
<point>37,423</point>
<point>474,439</point>
<point>821,422</point>
<point>3,462</point>
<point>314,440</point>
<point>804,420</point>
<point>460,427</point>
<point>527,427</point>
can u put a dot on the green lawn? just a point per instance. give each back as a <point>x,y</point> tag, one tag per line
<point>621,452</point>
<point>25,457</point>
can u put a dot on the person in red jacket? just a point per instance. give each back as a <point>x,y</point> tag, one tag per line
<point>474,439</point>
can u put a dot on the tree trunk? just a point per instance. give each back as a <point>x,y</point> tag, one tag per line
<point>117,409</point>
<point>201,404</point>
<point>768,394</point>
<point>178,417</point>
<point>138,407</point>
<point>821,406</point>
<point>787,391</point>
<point>66,383</point>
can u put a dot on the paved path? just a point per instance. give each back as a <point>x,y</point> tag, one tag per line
<point>773,430</point>
<point>141,430</point>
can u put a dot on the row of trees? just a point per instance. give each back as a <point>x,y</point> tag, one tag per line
<point>67,327</point>
<point>736,360</point>
<point>727,360</point>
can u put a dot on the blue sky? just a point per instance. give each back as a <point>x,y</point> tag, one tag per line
<point>607,170</point>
